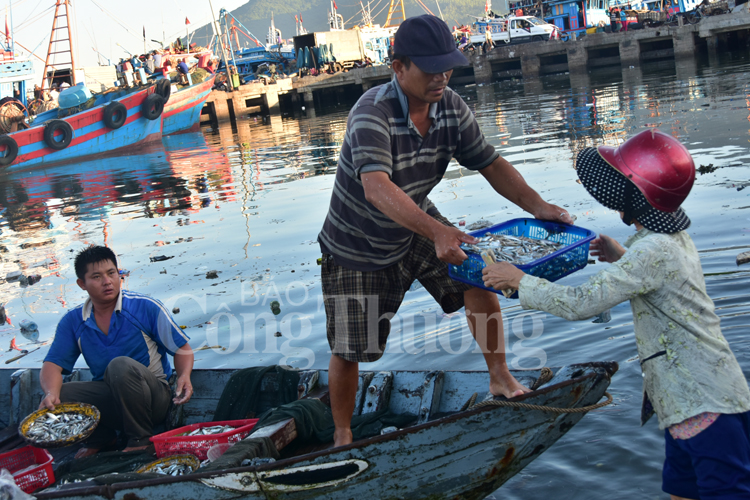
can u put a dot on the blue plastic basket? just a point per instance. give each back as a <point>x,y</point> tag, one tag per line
<point>569,259</point>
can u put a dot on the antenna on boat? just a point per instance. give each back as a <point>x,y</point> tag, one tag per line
<point>53,40</point>
<point>394,8</point>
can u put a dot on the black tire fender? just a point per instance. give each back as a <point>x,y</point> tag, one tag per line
<point>11,150</point>
<point>115,115</point>
<point>152,107</point>
<point>54,126</point>
<point>164,88</point>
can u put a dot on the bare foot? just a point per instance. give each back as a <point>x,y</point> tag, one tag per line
<point>342,437</point>
<point>86,452</point>
<point>508,386</point>
<point>135,448</point>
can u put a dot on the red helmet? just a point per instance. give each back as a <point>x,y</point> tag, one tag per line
<point>657,164</point>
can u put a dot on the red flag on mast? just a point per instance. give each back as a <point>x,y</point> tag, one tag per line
<point>7,31</point>
<point>187,21</point>
<point>334,5</point>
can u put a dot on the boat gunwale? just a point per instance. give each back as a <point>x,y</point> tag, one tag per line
<point>109,490</point>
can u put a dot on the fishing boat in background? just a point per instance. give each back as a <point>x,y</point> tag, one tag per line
<point>52,137</point>
<point>264,61</point>
<point>183,109</point>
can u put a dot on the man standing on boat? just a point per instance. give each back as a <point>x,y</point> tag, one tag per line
<point>382,232</point>
<point>124,337</point>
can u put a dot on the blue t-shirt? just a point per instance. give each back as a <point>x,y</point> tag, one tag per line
<point>183,68</point>
<point>141,328</point>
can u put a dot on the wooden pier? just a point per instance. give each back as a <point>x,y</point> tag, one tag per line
<point>527,61</point>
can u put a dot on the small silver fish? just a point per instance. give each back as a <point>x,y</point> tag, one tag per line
<point>514,249</point>
<point>51,427</point>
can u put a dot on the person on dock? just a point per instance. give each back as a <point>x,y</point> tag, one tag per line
<point>124,337</point>
<point>382,232</point>
<point>691,378</point>
<point>614,19</point>
<point>488,44</point>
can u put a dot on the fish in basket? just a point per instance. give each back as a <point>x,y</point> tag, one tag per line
<point>177,465</point>
<point>548,250</point>
<point>67,424</point>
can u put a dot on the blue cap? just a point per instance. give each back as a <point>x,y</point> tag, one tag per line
<point>428,42</point>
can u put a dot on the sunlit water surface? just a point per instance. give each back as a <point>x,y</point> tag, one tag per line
<point>249,202</point>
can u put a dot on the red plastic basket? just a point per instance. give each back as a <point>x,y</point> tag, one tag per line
<point>33,479</point>
<point>172,443</point>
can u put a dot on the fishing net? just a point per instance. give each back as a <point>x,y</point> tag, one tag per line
<point>246,449</point>
<point>241,397</point>
<point>62,113</point>
<point>314,420</point>
<point>101,464</point>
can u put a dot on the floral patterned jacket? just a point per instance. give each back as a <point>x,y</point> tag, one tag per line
<point>688,367</point>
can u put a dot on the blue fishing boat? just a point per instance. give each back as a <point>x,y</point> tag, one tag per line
<point>63,134</point>
<point>267,60</point>
<point>453,448</point>
<point>183,109</point>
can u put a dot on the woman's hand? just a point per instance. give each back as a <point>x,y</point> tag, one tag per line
<point>502,276</point>
<point>606,249</point>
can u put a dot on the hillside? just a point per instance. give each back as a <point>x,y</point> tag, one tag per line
<point>256,14</point>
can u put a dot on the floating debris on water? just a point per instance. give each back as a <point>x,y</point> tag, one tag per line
<point>513,249</point>
<point>51,427</point>
<point>480,224</point>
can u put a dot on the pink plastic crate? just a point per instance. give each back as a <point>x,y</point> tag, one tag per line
<point>174,443</point>
<point>35,478</point>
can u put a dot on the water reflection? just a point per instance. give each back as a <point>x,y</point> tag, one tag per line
<point>248,202</point>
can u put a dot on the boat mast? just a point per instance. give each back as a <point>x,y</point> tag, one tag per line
<point>221,46</point>
<point>394,8</point>
<point>52,41</point>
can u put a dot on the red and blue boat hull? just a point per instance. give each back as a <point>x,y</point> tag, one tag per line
<point>90,135</point>
<point>183,110</point>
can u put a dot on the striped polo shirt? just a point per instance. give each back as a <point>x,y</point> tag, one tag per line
<point>141,328</point>
<point>380,136</point>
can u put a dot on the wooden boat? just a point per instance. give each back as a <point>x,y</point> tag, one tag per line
<point>448,453</point>
<point>183,109</point>
<point>113,124</point>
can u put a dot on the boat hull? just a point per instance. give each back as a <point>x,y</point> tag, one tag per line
<point>90,135</point>
<point>465,454</point>
<point>183,110</point>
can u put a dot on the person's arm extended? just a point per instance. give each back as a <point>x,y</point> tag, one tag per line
<point>50,378</point>
<point>396,204</point>
<point>509,183</point>
<point>183,365</point>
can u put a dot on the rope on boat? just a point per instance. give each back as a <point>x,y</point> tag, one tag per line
<point>544,376</point>
<point>551,409</point>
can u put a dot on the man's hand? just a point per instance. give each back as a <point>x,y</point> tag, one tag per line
<point>502,276</point>
<point>50,401</point>
<point>183,391</point>
<point>606,249</point>
<point>448,244</point>
<point>547,211</point>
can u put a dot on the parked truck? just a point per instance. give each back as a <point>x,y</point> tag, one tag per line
<point>347,45</point>
<point>513,29</point>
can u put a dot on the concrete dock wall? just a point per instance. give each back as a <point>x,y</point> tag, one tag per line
<point>628,49</point>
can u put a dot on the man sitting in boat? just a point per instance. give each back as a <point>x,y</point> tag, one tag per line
<point>382,232</point>
<point>124,337</point>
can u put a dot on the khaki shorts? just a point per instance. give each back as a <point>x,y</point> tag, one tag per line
<point>354,300</point>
